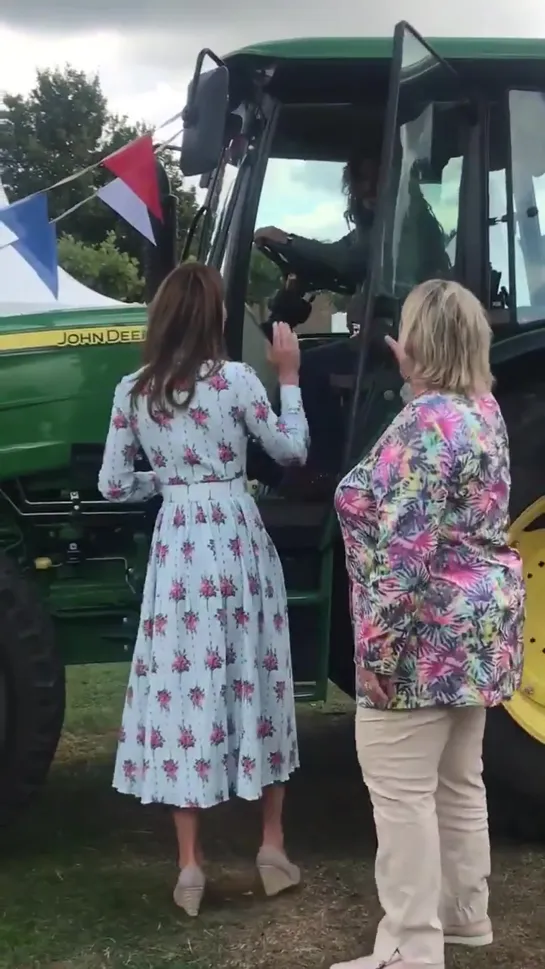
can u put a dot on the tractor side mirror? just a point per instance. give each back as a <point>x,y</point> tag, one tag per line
<point>205,117</point>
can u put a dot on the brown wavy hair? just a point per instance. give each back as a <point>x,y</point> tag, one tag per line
<point>185,331</point>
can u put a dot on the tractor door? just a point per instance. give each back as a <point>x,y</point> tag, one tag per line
<point>427,151</point>
<point>414,236</point>
<point>416,226</point>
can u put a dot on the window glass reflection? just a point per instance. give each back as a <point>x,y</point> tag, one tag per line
<point>527,120</point>
<point>500,282</point>
<point>423,232</point>
<point>218,217</point>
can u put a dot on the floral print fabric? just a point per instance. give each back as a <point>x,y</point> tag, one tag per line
<point>437,594</point>
<point>209,710</point>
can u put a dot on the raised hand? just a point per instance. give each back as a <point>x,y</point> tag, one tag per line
<point>284,353</point>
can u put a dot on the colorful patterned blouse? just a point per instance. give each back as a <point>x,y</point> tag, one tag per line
<point>437,594</point>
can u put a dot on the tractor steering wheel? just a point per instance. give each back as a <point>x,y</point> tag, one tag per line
<point>312,274</point>
<point>277,252</point>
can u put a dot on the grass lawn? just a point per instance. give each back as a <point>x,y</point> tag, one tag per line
<point>86,877</point>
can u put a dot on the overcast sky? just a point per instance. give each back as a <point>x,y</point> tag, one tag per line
<point>144,49</point>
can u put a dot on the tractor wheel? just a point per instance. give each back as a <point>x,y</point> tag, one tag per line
<point>514,754</point>
<point>32,691</point>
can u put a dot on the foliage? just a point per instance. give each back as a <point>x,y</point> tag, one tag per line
<point>64,126</point>
<point>264,279</point>
<point>52,133</point>
<point>339,301</point>
<point>102,267</point>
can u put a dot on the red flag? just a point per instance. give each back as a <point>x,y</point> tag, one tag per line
<point>136,166</point>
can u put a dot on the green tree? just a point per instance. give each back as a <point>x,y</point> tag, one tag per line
<point>339,301</point>
<point>52,133</point>
<point>263,281</point>
<point>102,267</point>
<point>63,126</point>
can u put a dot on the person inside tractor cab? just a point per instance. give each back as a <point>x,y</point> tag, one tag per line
<point>346,258</point>
<point>421,254</point>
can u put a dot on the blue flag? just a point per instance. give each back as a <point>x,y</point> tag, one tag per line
<point>36,240</point>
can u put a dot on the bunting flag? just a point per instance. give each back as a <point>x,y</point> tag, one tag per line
<point>25,225</point>
<point>136,166</point>
<point>134,194</point>
<point>126,203</point>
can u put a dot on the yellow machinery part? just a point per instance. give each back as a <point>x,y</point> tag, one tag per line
<point>527,707</point>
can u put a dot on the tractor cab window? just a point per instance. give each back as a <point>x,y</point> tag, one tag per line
<point>219,215</point>
<point>424,192</point>
<point>527,120</point>
<point>313,222</point>
<point>305,198</point>
<point>320,188</point>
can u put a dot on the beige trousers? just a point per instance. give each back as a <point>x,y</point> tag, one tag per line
<point>423,769</point>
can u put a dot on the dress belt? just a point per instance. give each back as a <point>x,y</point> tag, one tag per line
<point>205,490</point>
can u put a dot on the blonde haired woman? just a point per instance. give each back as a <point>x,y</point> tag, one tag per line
<point>437,601</point>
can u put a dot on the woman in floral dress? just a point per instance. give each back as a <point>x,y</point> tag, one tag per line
<point>209,711</point>
<point>437,602</point>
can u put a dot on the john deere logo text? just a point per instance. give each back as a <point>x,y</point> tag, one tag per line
<point>100,337</point>
<point>84,336</point>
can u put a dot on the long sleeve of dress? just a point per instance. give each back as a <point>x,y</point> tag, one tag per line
<point>118,481</point>
<point>284,438</point>
<point>409,486</point>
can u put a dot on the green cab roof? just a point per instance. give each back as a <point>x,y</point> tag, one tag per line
<point>349,48</point>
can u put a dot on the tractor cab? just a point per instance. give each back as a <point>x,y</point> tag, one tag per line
<point>346,172</point>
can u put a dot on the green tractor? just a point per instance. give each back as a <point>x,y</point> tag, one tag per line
<point>460,125</point>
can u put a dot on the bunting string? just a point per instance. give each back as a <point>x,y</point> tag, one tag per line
<point>97,193</point>
<point>133,193</point>
<point>102,161</point>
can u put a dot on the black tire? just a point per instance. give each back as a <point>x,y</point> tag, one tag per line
<point>515,762</point>
<point>32,691</point>
<point>514,770</point>
<point>341,639</point>
<point>524,414</point>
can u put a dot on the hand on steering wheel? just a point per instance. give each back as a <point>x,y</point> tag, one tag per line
<point>270,234</point>
<point>313,271</point>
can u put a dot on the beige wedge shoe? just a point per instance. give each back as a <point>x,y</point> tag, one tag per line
<point>277,873</point>
<point>475,934</point>
<point>190,890</point>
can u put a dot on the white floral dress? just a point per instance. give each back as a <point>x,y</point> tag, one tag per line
<point>209,710</point>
